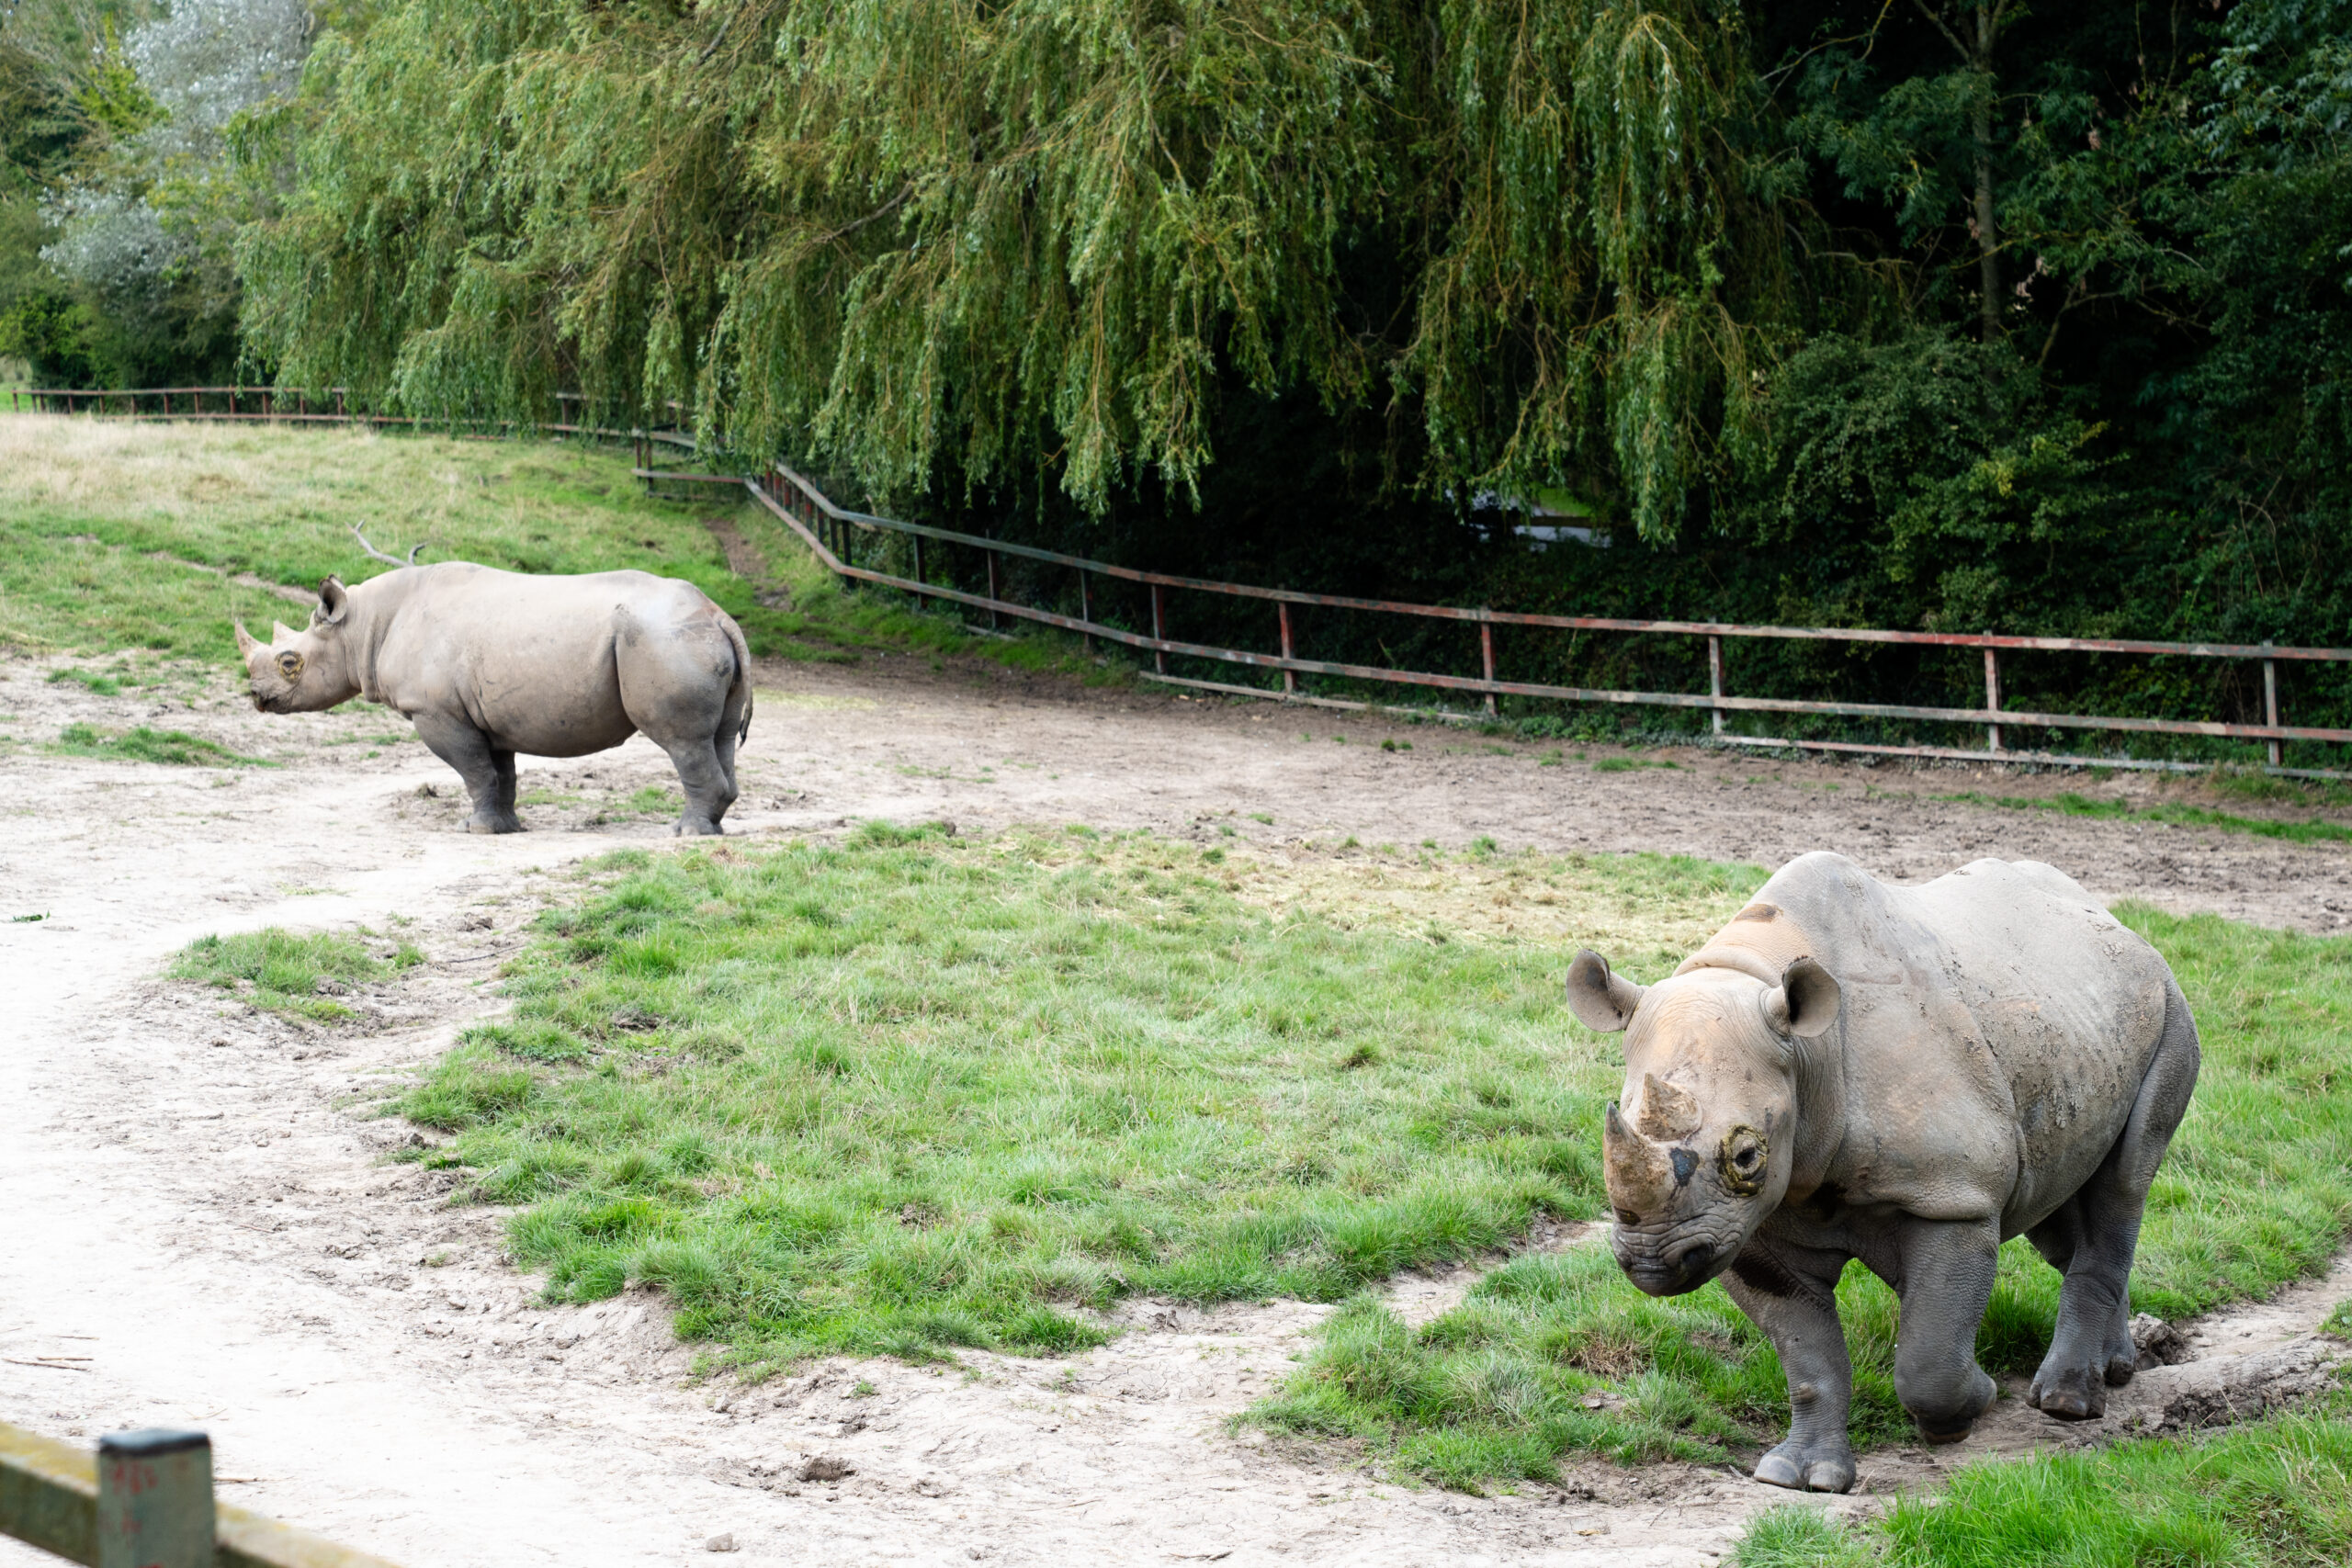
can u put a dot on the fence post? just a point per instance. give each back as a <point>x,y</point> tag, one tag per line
<point>1086,610</point>
<point>1290,677</point>
<point>917,540</point>
<point>990,553</point>
<point>155,1500</point>
<point>1158,655</point>
<point>1486,654</point>
<point>1716,676</point>
<point>2270,704</point>
<point>1993,696</point>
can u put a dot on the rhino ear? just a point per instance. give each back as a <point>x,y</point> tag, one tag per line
<point>333,599</point>
<point>1600,1001</point>
<point>1804,1004</point>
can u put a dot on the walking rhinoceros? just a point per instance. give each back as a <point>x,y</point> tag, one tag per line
<point>487,663</point>
<point>1908,1075</point>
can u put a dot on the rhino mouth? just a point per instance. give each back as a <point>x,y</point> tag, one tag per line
<point>1671,1266</point>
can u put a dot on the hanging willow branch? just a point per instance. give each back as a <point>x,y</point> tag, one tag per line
<point>942,241</point>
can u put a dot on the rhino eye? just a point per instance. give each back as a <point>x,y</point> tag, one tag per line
<point>290,663</point>
<point>1740,1161</point>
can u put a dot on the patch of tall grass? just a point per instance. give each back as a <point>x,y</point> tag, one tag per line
<point>282,972</point>
<point>2273,1494</point>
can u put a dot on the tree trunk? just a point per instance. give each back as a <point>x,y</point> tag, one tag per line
<point>1988,239</point>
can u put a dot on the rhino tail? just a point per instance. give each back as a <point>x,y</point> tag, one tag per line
<point>742,677</point>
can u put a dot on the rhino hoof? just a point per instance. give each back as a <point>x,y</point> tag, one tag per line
<point>1832,1474</point>
<point>494,822</point>
<point>2074,1398</point>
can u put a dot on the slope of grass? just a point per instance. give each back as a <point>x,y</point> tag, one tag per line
<point>281,971</point>
<point>2256,1191</point>
<point>2273,1494</point>
<point>86,507</point>
<point>2178,814</point>
<point>915,1092</point>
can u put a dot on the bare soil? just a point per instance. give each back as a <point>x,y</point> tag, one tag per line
<point>203,1227</point>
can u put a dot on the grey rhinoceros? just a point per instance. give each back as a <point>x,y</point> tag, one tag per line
<point>1907,1076</point>
<point>490,663</point>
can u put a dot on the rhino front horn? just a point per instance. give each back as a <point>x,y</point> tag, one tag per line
<point>1639,1177</point>
<point>247,642</point>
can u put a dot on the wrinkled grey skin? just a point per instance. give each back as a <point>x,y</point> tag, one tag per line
<point>490,663</point>
<point>1907,1076</point>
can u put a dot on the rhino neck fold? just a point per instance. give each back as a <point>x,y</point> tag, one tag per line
<point>373,605</point>
<point>1821,1111</point>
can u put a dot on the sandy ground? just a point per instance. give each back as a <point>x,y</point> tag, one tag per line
<point>201,1227</point>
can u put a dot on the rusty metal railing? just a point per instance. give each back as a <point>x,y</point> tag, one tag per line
<point>143,1500</point>
<point>826,528</point>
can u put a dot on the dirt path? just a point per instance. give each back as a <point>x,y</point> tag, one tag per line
<point>197,1205</point>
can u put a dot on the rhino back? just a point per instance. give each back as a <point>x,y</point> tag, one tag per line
<point>529,660</point>
<point>2069,1001</point>
<point>1994,1027</point>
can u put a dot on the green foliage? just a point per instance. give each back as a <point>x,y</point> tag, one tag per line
<point>2256,1192</point>
<point>961,245</point>
<point>916,1092</point>
<point>294,974</point>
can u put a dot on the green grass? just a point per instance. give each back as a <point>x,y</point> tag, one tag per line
<point>280,971</point>
<point>2256,1191</point>
<point>916,1092</point>
<point>1628,764</point>
<point>140,744</point>
<point>2273,1494</point>
<point>2178,814</point>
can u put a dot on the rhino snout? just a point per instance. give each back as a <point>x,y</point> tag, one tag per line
<point>1673,1265</point>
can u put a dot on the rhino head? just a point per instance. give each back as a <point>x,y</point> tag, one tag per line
<point>1701,1150</point>
<point>306,670</point>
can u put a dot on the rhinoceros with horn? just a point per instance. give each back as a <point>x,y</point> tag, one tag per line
<point>1907,1076</point>
<point>487,663</point>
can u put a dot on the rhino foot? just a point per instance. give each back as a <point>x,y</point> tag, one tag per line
<point>695,827</point>
<point>1820,1469</point>
<point>493,822</point>
<point>2073,1393</point>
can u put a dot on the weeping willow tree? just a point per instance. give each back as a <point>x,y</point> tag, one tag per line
<point>948,244</point>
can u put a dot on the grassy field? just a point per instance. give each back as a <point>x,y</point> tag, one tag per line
<point>115,538</point>
<point>914,1092</point>
<point>294,976</point>
<point>2274,1493</point>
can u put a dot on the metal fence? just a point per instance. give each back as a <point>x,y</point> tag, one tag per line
<point>143,1500</point>
<point>831,531</point>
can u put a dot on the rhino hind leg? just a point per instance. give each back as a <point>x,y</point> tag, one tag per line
<point>488,773</point>
<point>683,691</point>
<point>1790,1294</point>
<point>2092,1238</point>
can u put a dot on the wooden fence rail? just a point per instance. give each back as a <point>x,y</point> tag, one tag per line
<point>143,1500</point>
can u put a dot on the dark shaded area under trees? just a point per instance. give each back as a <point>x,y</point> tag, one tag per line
<point>1893,313</point>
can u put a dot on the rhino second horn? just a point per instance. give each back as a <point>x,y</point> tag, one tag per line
<point>247,642</point>
<point>1668,1110</point>
<point>1639,1177</point>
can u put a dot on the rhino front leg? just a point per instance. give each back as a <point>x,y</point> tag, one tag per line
<point>2093,1237</point>
<point>1792,1295</point>
<point>1948,1269</point>
<point>489,771</point>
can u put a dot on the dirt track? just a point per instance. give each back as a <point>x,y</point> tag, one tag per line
<point>196,1205</point>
